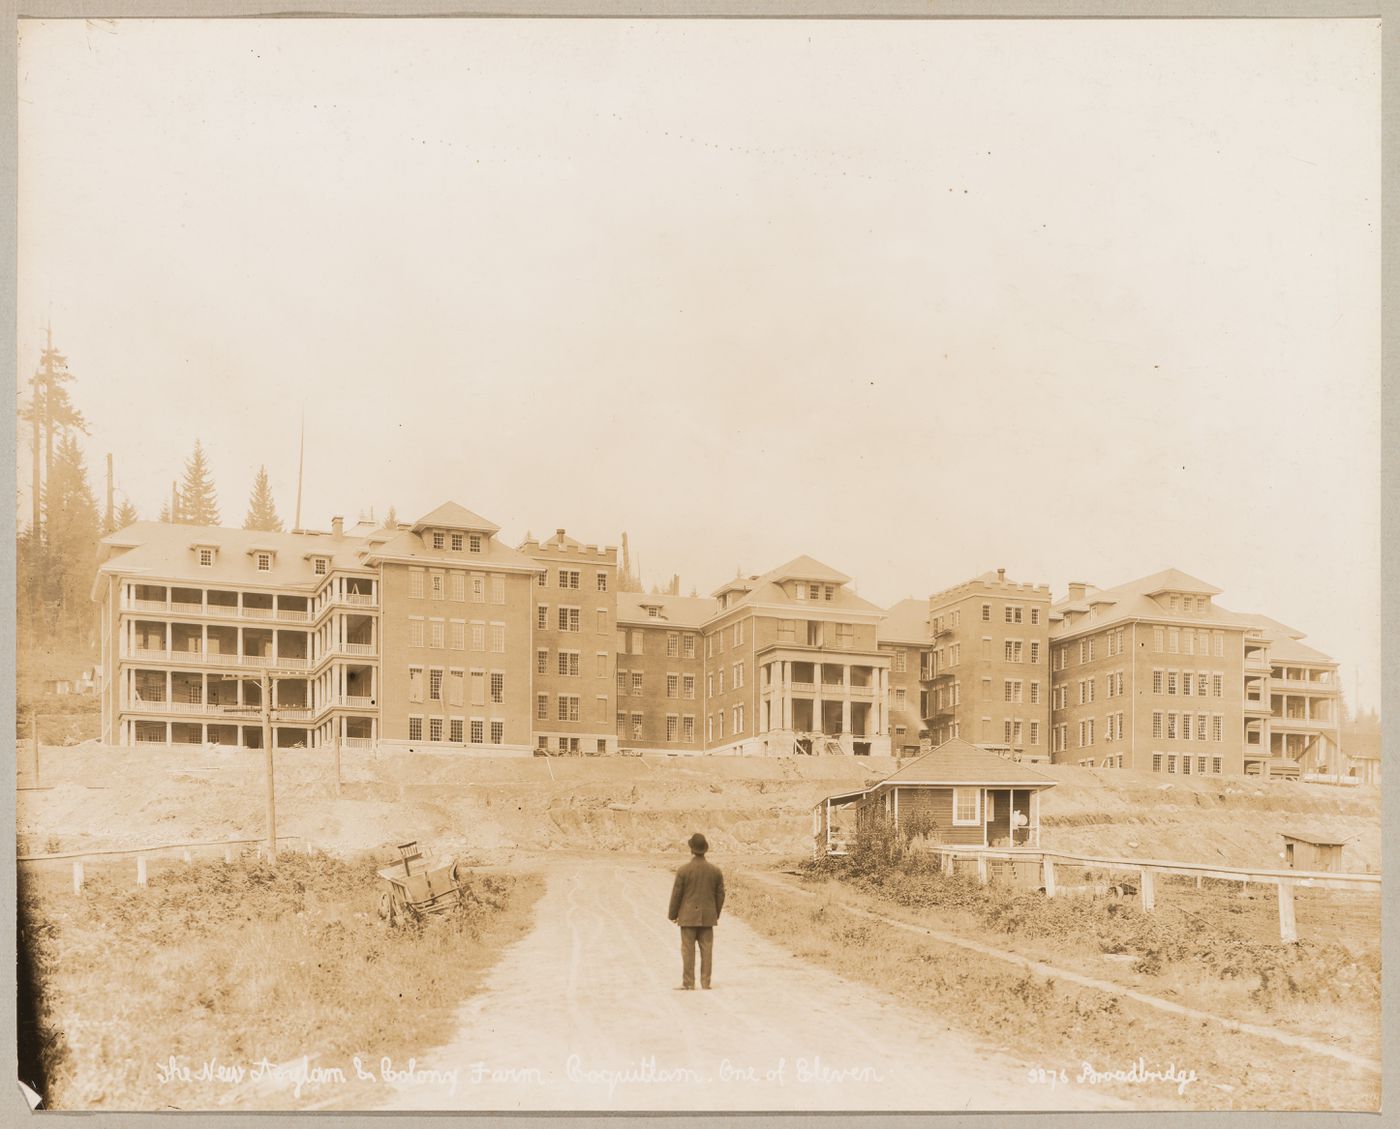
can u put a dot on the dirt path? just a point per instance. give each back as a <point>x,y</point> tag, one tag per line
<point>582,1014</point>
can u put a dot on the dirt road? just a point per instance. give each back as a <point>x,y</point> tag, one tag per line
<point>582,1014</point>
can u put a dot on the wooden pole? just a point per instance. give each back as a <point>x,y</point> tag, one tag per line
<point>140,870</point>
<point>266,686</point>
<point>1049,877</point>
<point>982,869</point>
<point>1149,891</point>
<point>1287,919</point>
<point>77,876</point>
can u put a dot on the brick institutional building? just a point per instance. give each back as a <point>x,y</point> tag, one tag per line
<point>436,634</point>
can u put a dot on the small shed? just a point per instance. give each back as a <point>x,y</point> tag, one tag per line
<point>958,794</point>
<point>1312,850</point>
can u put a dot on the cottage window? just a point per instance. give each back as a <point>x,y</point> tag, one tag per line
<point>966,806</point>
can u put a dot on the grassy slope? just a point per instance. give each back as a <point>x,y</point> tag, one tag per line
<point>1053,1025</point>
<point>240,962</point>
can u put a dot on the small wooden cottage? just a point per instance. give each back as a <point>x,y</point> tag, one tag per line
<point>959,793</point>
<point>1311,850</point>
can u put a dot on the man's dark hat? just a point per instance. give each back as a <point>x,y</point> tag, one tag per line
<point>698,844</point>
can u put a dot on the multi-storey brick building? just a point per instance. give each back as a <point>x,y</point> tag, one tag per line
<point>661,671</point>
<point>1154,675</point>
<point>436,634</point>
<point>574,661</point>
<point>905,637</point>
<point>987,669</point>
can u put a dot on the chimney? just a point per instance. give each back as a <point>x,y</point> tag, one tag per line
<point>1001,576</point>
<point>1077,588</point>
<point>337,527</point>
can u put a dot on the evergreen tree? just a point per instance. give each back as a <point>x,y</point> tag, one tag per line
<point>71,527</point>
<point>262,510</point>
<point>126,515</point>
<point>164,512</point>
<point>199,505</point>
<point>391,519</point>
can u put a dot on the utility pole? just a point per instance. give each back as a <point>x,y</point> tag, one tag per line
<point>266,685</point>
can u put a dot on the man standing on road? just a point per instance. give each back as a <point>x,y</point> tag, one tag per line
<point>696,901</point>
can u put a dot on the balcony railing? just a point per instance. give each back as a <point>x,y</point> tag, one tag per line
<point>1309,723</point>
<point>1307,685</point>
<point>349,701</point>
<point>178,607</point>
<point>357,742</point>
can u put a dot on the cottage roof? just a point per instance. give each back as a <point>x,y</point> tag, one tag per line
<point>905,622</point>
<point>958,762</point>
<point>672,611</point>
<point>450,515</point>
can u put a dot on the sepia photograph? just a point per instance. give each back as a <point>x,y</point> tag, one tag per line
<point>698,565</point>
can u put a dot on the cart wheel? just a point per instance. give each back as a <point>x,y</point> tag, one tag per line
<point>386,909</point>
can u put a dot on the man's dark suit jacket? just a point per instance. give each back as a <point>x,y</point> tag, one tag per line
<point>698,895</point>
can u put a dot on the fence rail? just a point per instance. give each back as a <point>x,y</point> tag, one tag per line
<point>1148,870</point>
<point>140,854</point>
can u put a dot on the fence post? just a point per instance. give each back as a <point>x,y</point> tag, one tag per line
<point>77,876</point>
<point>140,870</point>
<point>982,869</point>
<point>185,855</point>
<point>1049,877</point>
<point>948,865</point>
<point>1287,920</point>
<point>228,851</point>
<point>1149,891</point>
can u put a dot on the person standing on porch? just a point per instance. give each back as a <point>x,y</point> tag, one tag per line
<point>697,897</point>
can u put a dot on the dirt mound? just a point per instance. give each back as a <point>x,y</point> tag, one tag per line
<point>96,796</point>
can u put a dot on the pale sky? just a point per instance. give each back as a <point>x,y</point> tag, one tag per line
<point>1083,300</point>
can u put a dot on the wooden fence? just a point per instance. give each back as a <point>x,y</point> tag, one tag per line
<point>1148,870</point>
<point>141,854</point>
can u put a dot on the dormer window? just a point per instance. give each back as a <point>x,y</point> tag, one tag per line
<point>815,591</point>
<point>264,562</point>
<point>318,566</point>
<point>474,543</point>
<point>456,542</point>
<point>802,591</point>
<point>830,591</point>
<point>654,612</point>
<point>439,539</point>
<point>206,557</point>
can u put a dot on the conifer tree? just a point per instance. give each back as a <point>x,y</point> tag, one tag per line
<point>71,529</point>
<point>126,515</point>
<point>199,505</point>
<point>262,510</point>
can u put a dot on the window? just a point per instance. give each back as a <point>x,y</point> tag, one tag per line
<point>901,700</point>
<point>672,726</point>
<point>1171,727</point>
<point>901,661</point>
<point>435,633</point>
<point>1217,730</point>
<point>1200,727</point>
<point>415,684</point>
<point>434,729</point>
<point>1035,693</point>
<point>1171,681</point>
<point>568,578</point>
<point>542,578</point>
<point>498,589</point>
<point>568,619</point>
<point>478,687</point>
<point>1216,765</point>
<point>1159,678</point>
<point>437,586</point>
<point>206,559</point>
<point>498,638</point>
<point>1201,681</point>
<point>1218,637</point>
<point>568,707</point>
<point>1157,723</point>
<point>474,543</point>
<point>1187,682</point>
<point>672,686</point>
<point>459,635</point>
<point>415,631</point>
<point>636,685</point>
<point>1035,733</point>
<point>455,687</point>
<point>498,687</point>
<point>672,644</point>
<point>1186,766</point>
<point>542,661</point>
<point>415,729</point>
<point>498,732</point>
<point>738,719</point>
<point>478,636</point>
<point>1217,685</point>
<point>1035,615</point>
<point>601,660</point>
<point>1011,650</point>
<point>738,673</point>
<point>264,562</point>
<point>478,588</point>
<point>636,727</point>
<point>814,633</point>
<point>688,686</point>
<point>568,663</point>
<point>688,646</point>
<point>688,728</point>
<point>1013,613</point>
<point>966,808</point>
<point>435,685</point>
<point>719,679</point>
<point>1158,638</point>
<point>454,731</point>
<point>1011,690</point>
<point>602,581</point>
<point>638,641</point>
<point>459,586</point>
<point>478,731</point>
<point>1173,640</point>
<point>739,633</point>
<point>986,613</point>
<point>1035,651</point>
